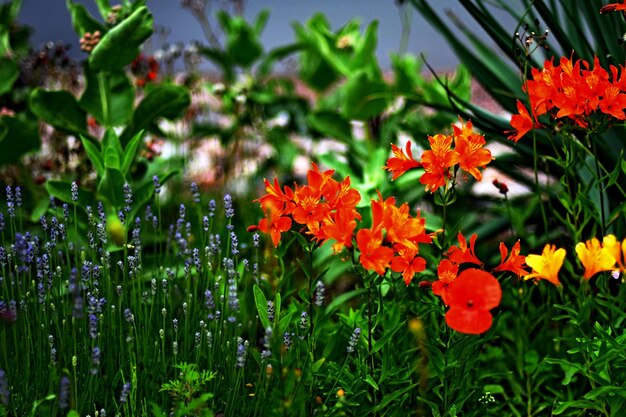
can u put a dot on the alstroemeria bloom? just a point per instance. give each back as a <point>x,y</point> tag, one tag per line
<point>400,162</point>
<point>594,257</point>
<point>617,249</point>
<point>471,297</point>
<point>447,273</point>
<point>547,265</point>
<point>515,263</point>
<point>374,256</point>
<point>469,146</point>
<point>407,262</point>
<point>522,123</point>
<point>274,223</point>
<point>464,254</point>
<point>437,161</point>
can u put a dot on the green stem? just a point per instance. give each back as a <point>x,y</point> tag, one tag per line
<point>104,100</point>
<point>538,187</point>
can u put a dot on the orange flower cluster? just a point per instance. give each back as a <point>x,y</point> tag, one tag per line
<point>439,160</point>
<point>326,207</point>
<point>571,89</point>
<point>392,241</point>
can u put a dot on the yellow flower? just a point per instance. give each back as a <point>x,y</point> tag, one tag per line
<point>594,257</point>
<point>547,265</point>
<point>618,251</point>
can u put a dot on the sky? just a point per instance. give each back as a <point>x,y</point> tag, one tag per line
<point>51,22</point>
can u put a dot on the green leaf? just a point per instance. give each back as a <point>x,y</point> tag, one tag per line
<point>242,43</point>
<point>261,306</point>
<point>108,97</point>
<point>62,190</point>
<point>59,109</point>
<point>407,70</point>
<point>318,364</point>
<point>120,46</point>
<point>104,7</point>
<point>371,382</point>
<point>130,151</point>
<point>112,150</point>
<point>283,324</point>
<point>167,100</point>
<point>364,97</point>
<point>18,136</point>
<point>82,21</point>
<point>111,187</point>
<point>8,74</point>
<point>385,338</point>
<point>330,124</point>
<point>94,153</point>
<point>586,404</point>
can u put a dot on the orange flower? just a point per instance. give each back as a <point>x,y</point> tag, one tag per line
<point>340,227</point>
<point>407,262</point>
<point>594,257</point>
<point>618,251</point>
<point>437,161</point>
<point>374,256</point>
<point>547,265</point>
<point>463,254</point>
<point>447,272</point>
<point>614,7</point>
<point>515,263</point>
<point>471,295</point>
<point>401,163</point>
<point>274,223</point>
<point>522,123</point>
<point>277,197</point>
<point>469,146</point>
<point>309,210</point>
<point>402,228</point>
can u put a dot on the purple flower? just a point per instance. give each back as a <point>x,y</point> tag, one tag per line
<point>93,326</point>
<point>64,393</point>
<point>354,340</point>
<point>157,185</point>
<point>228,206</point>
<point>74,190</point>
<point>125,392</point>
<point>4,389</point>
<point>195,193</point>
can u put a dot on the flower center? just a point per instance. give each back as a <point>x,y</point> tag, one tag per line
<point>470,303</point>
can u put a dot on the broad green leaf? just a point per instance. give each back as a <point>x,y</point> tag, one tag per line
<point>261,306</point>
<point>242,43</point>
<point>406,70</point>
<point>167,100</point>
<point>59,109</point>
<point>112,148</point>
<point>104,7</point>
<point>330,124</point>
<point>120,46</point>
<point>111,187</point>
<point>62,190</point>
<point>94,152</point>
<point>586,404</point>
<point>18,136</point>
<point>283,324</point>
<point>82,21</point>
<point>109,97</point>
<point>365,52</point>
<point>130,151</point>
<point>364,97</point>
<point>8,74</point>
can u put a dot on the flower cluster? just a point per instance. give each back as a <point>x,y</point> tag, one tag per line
<point>571,90</point>
<point>324,206</point>
<point>440,161</point>
<point>392,241</point>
